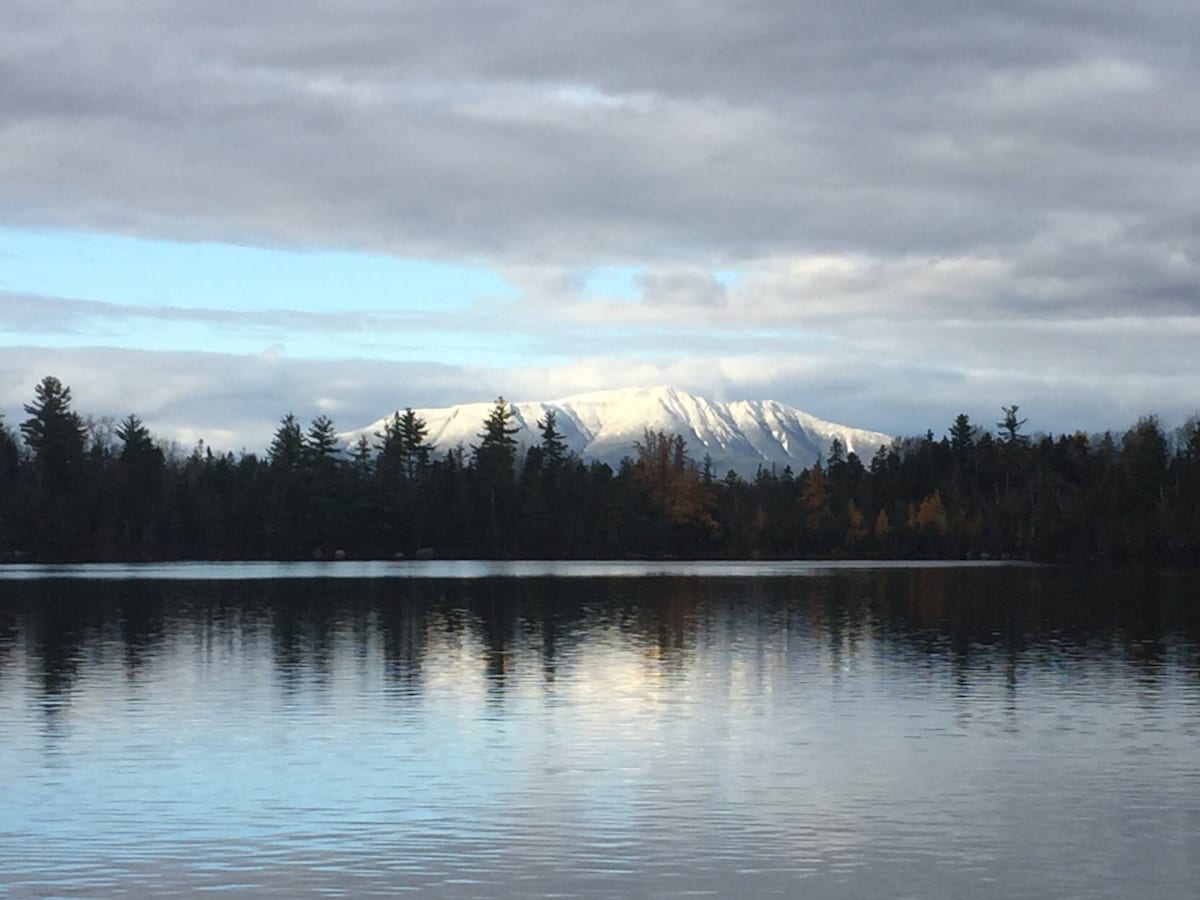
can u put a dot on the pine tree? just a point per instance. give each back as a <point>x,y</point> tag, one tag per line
<point>136,443</point>
<point>1010,426</point>
<point>57,438</point>
<point>321,446</point>
<point>55,434</point>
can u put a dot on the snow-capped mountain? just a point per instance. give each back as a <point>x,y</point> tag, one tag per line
<point>604,425</point>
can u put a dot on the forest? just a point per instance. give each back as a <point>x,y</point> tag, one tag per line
<point>76,489</point>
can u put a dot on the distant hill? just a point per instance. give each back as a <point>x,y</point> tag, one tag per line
<point>604,425</point>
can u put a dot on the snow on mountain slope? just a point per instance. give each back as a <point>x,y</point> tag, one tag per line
<point>604,425</point>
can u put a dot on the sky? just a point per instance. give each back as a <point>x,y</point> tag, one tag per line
<point>883,213</point>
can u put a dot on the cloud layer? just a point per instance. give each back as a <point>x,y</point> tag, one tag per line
<point>964,203</point>
<point>621,131</point>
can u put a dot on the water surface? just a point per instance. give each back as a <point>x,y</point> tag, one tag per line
<point>813,731</point>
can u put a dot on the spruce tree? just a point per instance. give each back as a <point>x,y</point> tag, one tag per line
<point>962,436</point>
<point>287,446</point>
<point>495,458</point>
<point>141,464</point>
<point>403,450</point>
<point>554,448</point>
<point>496,453</point>
<point>414,448</point>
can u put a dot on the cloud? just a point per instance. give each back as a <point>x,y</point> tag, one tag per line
<point>675,288</point>
<point>883,212</point>
<point>21,312</point>
<point>620,132</point>
<point>235,401</point>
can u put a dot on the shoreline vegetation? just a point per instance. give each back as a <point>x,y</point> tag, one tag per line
<point>76,490</point>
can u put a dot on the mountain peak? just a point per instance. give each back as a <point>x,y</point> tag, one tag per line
<point>604,425</point>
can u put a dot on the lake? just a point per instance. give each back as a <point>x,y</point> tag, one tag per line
<point>480,730</point>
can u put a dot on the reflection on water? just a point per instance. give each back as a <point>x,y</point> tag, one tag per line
<point>924,732</point>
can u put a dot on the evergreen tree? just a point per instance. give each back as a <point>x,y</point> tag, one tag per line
<point>494,459</point>
<point>136,442</point>
<point>1010,426</point>
<point>287,448</point>
<point>415,450</point>
<point>402,474</point>
<point>390,449</point>
<point>110,492</point>
<point>321,447</point>
<point>321,507</point>
<point>1145,458</point>
<point>141,464</point>
<point>962,436</point>
<point>361,458</point>
<point>10,469</point>
<point>10,456</point>
<point>403,449</point>
<point>56,435</point>
<point>287,528</point>
<point>59,504</point>
<point>496,453</point>
<point>553,447</point>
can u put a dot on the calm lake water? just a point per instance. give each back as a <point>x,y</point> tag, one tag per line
<point>468,730</point>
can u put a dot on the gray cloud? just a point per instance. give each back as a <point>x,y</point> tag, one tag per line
<point>20,312</point>
<point>681,288</point>
<point>617,132</point>
<point>929,203</point>
<point>896,383</point>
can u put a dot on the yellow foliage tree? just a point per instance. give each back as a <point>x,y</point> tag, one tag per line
<point>883,526</point>
<point>931,513</point>
<point>814,498</point>
<point>674,483</point>
<point>855,531</point>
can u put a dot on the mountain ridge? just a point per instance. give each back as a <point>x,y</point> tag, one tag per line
<point>603,425</point>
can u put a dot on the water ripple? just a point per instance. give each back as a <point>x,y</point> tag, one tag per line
<point>898,733</point>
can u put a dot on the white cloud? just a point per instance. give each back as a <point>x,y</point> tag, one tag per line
<point>922,205</point>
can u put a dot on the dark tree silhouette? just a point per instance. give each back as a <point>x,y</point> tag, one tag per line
<point>494,463</point>
<point>1010,426</point>
<point>114,493</point>
<point>287,450</point>
<point>553,447</point>
<point>55,434</point>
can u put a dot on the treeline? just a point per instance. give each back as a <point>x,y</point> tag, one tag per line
<point>74,490</point>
